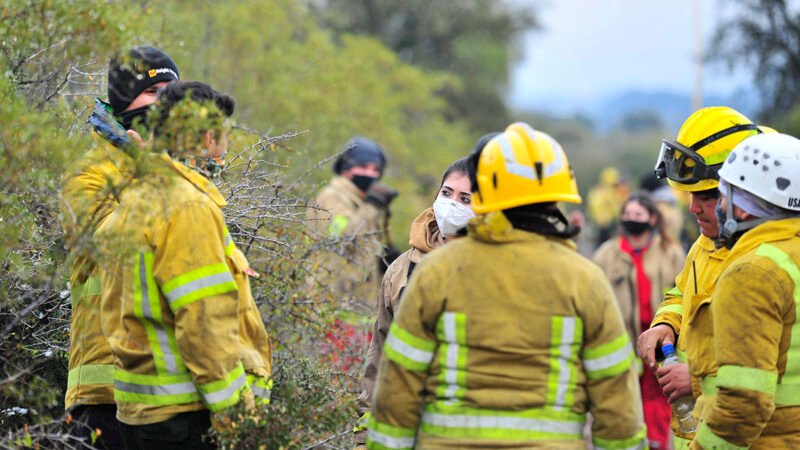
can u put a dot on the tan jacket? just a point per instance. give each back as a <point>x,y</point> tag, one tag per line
<point>424,237</point>
<point>661,266</point>
<point>506,339</point>
<point>352,272</point>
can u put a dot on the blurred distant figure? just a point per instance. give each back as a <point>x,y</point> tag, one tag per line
<point>642,263</point>
<point>667,203</point>
<point>605,200</point>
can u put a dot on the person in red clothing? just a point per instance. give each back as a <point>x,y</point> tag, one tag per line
<point>641,263</point>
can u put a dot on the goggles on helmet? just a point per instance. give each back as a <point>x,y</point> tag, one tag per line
<point>684,165</point>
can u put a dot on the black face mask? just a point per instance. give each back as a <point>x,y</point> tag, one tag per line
<point>137,115</point>
<point>635,228</point>
<point>363,182</point>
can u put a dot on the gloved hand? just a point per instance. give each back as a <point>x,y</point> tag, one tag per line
<point>380,195</point>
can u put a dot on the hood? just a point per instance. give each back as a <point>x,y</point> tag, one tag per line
<point>106,127</point>
<point>494,227</point>
<point>425,235</point>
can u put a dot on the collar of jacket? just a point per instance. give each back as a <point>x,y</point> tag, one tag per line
<point>121,160</point>
<point>707,245</point>
<point>494,227</point>
<point>425,235</point>
<point>347,187</point>
<point>771,231</point>
<point>200,182</point>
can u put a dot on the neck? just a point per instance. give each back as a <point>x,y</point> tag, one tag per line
<point>640,241</point>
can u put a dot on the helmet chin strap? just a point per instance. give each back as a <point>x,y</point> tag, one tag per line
<point>732,229</point>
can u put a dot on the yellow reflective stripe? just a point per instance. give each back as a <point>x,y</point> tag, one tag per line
<point>362,423</point>
<point>682,356</point>
<point>92,287</point>
<point>160,390</point>
<point>709,440</point>
<point>566,336</point>
<point>223,393</point>
<point>636,442</point>
<point>677,309</point>
<point>90,374</point>
<point>675,291</point>
<point>451,329</point>
<point>708,385</point>
<point>261,387</point>
<point>681,443</point>
<point>411,352</point>
<point>230,246</point>
<point>449,419</point>
<point>787,395</point>
<point>791,375</point>
<point>383,436</point>
<point>739,377</point>
<point>338,225</point>
<point>204,282</point>
<point>609,359</point>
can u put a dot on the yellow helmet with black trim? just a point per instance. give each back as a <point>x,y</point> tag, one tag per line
<point>690,162</point>
<point>519,167</point>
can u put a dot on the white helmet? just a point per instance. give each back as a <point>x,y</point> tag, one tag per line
<point>767,166</point>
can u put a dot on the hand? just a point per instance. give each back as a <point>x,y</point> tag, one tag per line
<point>136,138</point>
<point>222,420</point>
<point>380,195</point>
<point>675,381</point>
<point>651,339</point>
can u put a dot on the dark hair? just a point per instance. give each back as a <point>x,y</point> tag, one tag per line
<point>647,203</point>
<point>198,92</point>
<point>460,165</point>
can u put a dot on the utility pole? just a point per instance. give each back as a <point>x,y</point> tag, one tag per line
<point>697,23</point>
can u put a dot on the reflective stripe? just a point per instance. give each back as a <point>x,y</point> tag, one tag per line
<point>362,424</point>
<point>677,309</point>
<point>708,385</point>
<point>446,419</point>
<point>384,436</point>
<point>230,246</point>
<point>675,292</point>
<point>451,330</point>
<point>223,393</point>
<point>92,287</point>
<point>411,352</point>
<point>682,356</point>
<point>261,387</point>
<point>147,307</point>
<point>157,390</point>
<point>739,377</point>
<point>788,391</point>
<point>680,443</point>
<point>199,283</point>
<point>636,442</point>
<point>709,440</point>
<point>566,335</point>
<point>338,225</point>
<point>512,166</point>
<point>609,359</point>
<point>90,374</point>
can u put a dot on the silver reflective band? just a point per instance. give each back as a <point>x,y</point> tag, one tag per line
<point>408,351</point>
<point>216,397</point>
<point>567,336</point>
<point>260,392</point>
<point>164,389</point>
<point>196,285</point>
<point>161,334</point>
<point>390,441</point>
<point>228,240</point>
<point>451,374</point>
<point>609,360</point>
<point>503,423</point>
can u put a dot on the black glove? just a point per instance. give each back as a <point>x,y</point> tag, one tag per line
<point>380,195</point>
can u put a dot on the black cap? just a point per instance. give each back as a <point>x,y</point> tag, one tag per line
<point>129,75</point>
<point>357,152</point>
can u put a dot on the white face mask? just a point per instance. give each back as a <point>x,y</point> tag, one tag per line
<point>451,216</point>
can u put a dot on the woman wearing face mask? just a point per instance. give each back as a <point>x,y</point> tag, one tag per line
<point>433,228</point>
<point>641,263</point>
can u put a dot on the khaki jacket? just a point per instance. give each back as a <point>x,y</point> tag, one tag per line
<point>754,400</point>
<point>661,266</point>
<point>506,338</point>
<point>176,307</point>
<point>424,237</point>
<point>352,272</point>
<point>88,195</point>
<point>687,309</point>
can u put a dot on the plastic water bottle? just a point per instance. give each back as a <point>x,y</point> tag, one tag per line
<point>682,407</point>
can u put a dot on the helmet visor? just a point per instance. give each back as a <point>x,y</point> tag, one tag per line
<point>682,164</point>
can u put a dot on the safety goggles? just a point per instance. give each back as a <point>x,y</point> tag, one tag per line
<point>684,165</point>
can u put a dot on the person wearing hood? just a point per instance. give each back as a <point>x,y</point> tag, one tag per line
<point>88,194</point>
<point>443,222</point>
<point>509,337</point>
<point>642,263</point>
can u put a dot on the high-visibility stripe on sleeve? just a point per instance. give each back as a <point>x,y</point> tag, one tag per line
<point>636,442</point>
<point>362,424</point>
<point>609,359</point>
<point>159,390</point>
<point>739,377</point>
<point>409,351</point>
<point>93,286</point>
<point>707,439</point>
<point>261,387</point>
<point>90,374</point>
<point>675,292</point>
<point>230,246</point>
<point>338,225</point>
<point>223,393</point>
<point>383,436</point>
<point>566,336</point>
<point>451,330</point>
<point>677,309</point>
<point>681,443</point>
<point>206,281</point>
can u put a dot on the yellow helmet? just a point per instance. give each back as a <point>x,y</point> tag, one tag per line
<point>609,176</point>
<point>706,138</point>
<point>522,166</point>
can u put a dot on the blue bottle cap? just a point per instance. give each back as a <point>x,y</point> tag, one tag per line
<point>668,349</point>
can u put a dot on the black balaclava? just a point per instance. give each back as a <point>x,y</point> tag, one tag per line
<point>357,152</point>
<point>129,75</point>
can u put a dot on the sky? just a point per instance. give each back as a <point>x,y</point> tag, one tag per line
<point>589,50</point>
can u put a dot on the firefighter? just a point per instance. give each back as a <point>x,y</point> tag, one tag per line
<point>690,164</point>
<point>508,337</point>
<point>753,399</point>
<point>87,197</point>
